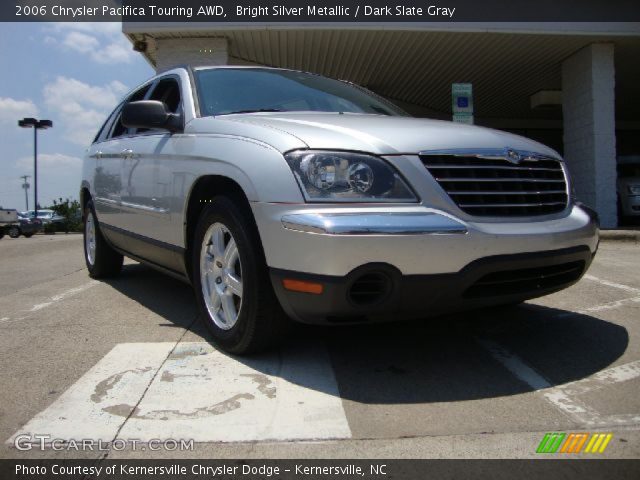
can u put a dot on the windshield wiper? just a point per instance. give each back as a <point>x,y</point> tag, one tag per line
<point>256,110</point>
<point>380,110</point>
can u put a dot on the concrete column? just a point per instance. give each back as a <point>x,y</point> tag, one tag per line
<point>588,100</point>
<point>170,52</point>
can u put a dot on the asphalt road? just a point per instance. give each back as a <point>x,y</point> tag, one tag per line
<point>128,359</point>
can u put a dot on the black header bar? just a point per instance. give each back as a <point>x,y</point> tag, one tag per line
<point>68,469</point>
<point>320,11</point>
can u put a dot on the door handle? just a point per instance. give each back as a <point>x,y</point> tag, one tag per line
<point>127,153</point>
<point>97,155</point>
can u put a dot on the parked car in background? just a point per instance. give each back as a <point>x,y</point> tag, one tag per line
<point>26,226</point>
<point>629,187</point>
<point>276,191</point>
<point>15,224</point>
<point>45,216</point>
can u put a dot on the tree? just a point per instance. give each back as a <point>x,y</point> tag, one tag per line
<point>72,213</point>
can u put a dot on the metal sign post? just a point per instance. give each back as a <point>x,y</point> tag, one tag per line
<point>25,186</point>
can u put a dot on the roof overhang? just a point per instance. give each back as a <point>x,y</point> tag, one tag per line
<point>415,63</point>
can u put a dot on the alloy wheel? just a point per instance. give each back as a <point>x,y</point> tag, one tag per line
<point>90,239</point>
<point>221,276</point>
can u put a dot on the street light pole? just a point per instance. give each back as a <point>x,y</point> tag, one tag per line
<point>35,171</point>
<point>36,125</point>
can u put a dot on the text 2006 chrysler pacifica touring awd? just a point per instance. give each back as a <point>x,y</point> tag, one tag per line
<point>279,193</point>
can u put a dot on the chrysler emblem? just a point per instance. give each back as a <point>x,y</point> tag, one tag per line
<point>513,156</point>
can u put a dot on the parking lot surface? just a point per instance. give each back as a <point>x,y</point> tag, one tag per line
<point>128,359</point>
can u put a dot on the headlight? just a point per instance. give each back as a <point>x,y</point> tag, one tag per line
<point>327,176</point>
<point>634,189</point>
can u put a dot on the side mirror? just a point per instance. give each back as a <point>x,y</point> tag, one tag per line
<point>151,114</point>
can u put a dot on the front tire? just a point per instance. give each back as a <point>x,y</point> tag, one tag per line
<point>102,261</point>
<point>14,232</point>
<point>231,281</point>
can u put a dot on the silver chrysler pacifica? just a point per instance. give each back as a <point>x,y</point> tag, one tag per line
<point>281,194</point>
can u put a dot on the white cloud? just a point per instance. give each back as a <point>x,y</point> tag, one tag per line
<point>80,42</point>
<point>102,42</point>
<point>12,110</point>
<point>81,108</point>
<point>103,28</point>
<point>119,51</point>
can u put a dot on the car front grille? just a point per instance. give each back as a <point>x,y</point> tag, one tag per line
<point>512,282</point>
<point>493,186</point>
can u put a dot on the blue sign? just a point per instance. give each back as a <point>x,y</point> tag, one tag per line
<point>463,102</point>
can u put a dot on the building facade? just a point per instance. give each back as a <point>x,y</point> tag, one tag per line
<point>572,86</point>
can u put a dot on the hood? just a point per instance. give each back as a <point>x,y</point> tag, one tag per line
<point>380,134</point>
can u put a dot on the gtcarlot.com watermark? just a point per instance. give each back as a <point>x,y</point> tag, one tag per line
<point>47,442</point>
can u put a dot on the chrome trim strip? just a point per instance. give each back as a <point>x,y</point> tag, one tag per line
<point>507,192</point>
<point>106,201</point>
<point>490,153</point>
<point>146,208</point>
<point>499,180</point>
<point>509,205</point>
<point>373,223</point>
<point>490,167</point>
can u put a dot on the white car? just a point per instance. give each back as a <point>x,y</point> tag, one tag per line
<point>279,193</point>
<point>45,216</point>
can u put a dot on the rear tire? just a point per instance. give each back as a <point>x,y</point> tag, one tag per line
<point>14,232</point>
<point>231,280</point>
<point>102,261</point>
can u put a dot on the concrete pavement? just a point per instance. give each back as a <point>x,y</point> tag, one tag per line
<point>128,359</point>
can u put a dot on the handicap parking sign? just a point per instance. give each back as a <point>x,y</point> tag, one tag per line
<point>462,102</point>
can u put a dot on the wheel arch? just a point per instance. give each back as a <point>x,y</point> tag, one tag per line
<point>85,196</point>
<point>204,189</point>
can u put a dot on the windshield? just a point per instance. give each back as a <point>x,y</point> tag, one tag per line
<point>225,91</point>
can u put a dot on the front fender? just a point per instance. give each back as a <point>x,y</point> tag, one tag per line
<point>258,168</point>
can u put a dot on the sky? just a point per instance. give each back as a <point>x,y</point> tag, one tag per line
<point>71,73</point>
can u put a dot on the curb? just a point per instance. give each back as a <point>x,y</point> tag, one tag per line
<point>620,235</point>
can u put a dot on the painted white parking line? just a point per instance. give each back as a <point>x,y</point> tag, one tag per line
<point>564,397</point>
<point>63,295</point>
<point>600,308</point>
<point>611,305</point>
<point>23,314</point>
<point>608,377</point>
<point>151,390</point>
<point>619,286</point>
<point>604,378</point>
<point>515,364</point>
<point>205,395</point>
<point>120,378</point>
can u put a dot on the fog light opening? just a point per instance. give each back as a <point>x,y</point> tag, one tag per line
<point>370,288</point>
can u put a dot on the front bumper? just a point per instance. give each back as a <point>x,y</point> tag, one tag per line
<point>378,292</point>
<point>428,259</point>
<point>431,241</point>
